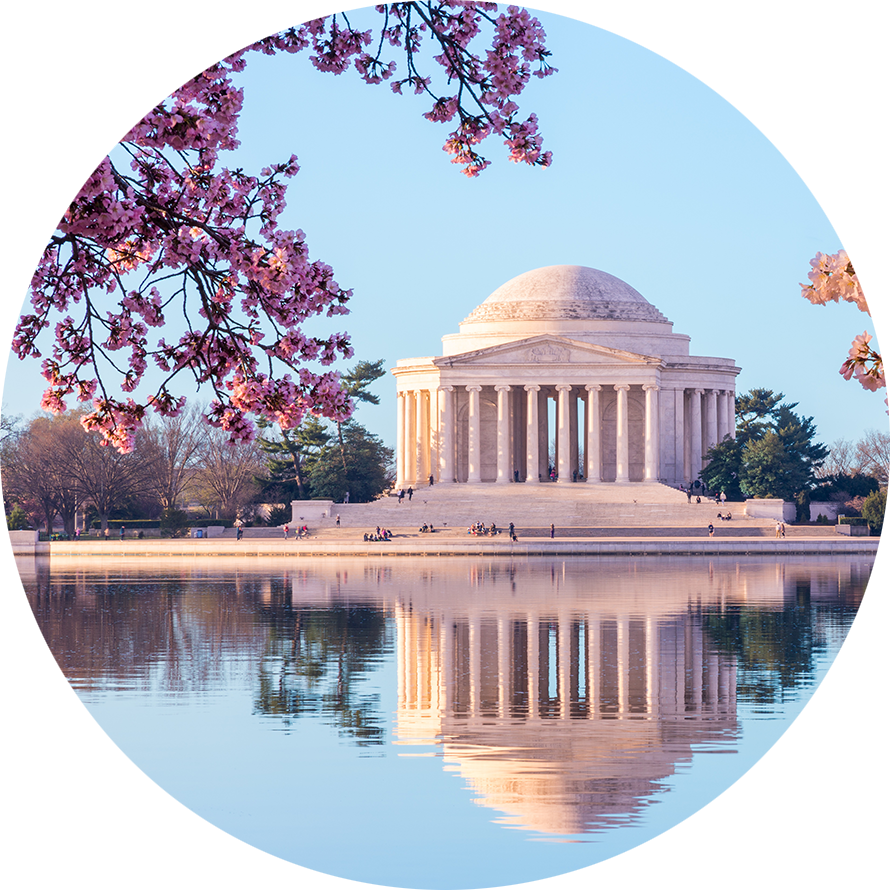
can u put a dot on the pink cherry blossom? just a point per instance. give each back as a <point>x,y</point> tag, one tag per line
<point>163,235</point>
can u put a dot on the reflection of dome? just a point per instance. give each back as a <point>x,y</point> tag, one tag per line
<point>570,292</point>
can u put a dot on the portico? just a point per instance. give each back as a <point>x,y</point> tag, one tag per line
<point>564,374</point>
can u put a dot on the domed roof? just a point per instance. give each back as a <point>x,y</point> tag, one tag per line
<point>570,292</point>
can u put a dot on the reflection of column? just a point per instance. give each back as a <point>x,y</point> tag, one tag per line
<point>410,446</point>
<point>475,664</point>
<point>533,664</point>
<point>503,665</point>
<point>695,433</point>
<point>563,427</point>
<point>474,436</point>
<point>564,663</point>
<point>652,449</point>
<point>711,431</point>
<point>621,442</point>
<point>592,452</point>
<point>503,392</point>
<point>593,666</point>
<point>447,649</point>
<point>400,440</point>
<point>652,660</point>
<point>623,629</point>
<point>532,436</point>
<point>446,434</point>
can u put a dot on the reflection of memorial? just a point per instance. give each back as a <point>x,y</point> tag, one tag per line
<point>566,720</point>
<point>565,693</point>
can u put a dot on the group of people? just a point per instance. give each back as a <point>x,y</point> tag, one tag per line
<point>780,528</point>
<point>426,527</point>
<point>379,534</point>
<point>301,532</point>
<point>725,518</point>
<point>409,493</point>
<point>479,528</point>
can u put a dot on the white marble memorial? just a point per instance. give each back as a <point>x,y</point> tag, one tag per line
<point>571,356</point>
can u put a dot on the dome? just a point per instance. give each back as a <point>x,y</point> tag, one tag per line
<point>565,292</point>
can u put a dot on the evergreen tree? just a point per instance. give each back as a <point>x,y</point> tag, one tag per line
<point>368,473</point>
<point>774,454</point>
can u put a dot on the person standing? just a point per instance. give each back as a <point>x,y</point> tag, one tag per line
<point>338,520</point>
<point>710,529</point>
<point>410,492</point>
<point>552,530</point>
<point>286,530</point>
<point>123,532</point>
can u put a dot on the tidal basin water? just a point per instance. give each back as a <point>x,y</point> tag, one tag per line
<point>449,723</point>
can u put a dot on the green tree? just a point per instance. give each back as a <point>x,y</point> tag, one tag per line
<point>17,519</point>
<point>774,454</point>
<point>723,469</point>
<point>355,383</point>
<point>368,473</point>
<point>873,509</point>
<point>286,453</point>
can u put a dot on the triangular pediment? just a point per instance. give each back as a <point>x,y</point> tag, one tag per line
<point>546,349</point>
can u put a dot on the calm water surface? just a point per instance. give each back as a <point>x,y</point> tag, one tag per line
<point>445,723</point>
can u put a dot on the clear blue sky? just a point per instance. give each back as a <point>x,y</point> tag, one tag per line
<point>702,152</point>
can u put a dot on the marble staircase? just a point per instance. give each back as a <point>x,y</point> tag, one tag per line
<point>567,506</point>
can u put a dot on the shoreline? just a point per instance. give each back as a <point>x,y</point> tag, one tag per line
<point>428,546</point>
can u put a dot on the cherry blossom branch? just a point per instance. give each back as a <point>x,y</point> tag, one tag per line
<point>179,228</point>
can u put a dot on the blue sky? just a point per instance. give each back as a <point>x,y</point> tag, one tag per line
<point>703,153</point>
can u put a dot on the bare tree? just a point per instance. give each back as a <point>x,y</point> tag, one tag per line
<point>37,469</point>
<point>103,476</point>
<point>168,447</point>
<point>842,460</point>
<point>873,454</point>
<point>225,476</point>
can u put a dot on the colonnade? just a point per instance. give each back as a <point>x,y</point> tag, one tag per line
<point>501,432</point>
<point>564,665</point>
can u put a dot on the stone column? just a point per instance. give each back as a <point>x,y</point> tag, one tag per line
<point>711,430</point>
<point>400,440</point>
<point>423,436</point>
<point>682,470</point>
<point>532,435</point>
<point>563,427</point>
<point>722,416</point>
<point>574,462</point>
<point>594,441</point>
<point>446,435</point>
<point>621,443</point>
<point>503,391</point>
<point>474,436</point>
<point>410,447</point>
<point>695,433</point>
<point>651,450</point>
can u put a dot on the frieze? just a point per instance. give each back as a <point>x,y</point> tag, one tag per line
<point>601,310</point>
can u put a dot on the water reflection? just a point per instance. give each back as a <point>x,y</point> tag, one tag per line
<point>566,694</point>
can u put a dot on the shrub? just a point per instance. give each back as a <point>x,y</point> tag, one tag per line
<point>174,523</point>
<point>17,519</point>
<point>873,509</point>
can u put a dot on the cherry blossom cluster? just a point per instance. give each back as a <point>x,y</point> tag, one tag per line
<point>164,236</point>
<point>832,280</point>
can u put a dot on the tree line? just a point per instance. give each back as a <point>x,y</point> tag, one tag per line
<point>53,468</point>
